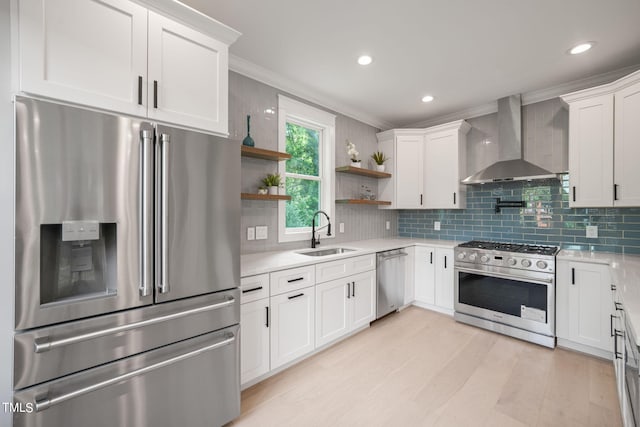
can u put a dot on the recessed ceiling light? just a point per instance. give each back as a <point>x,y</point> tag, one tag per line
<point>581,48</point>
<point>365,60</point>
<point>427,98</point>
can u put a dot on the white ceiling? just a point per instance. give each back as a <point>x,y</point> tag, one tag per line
<point>466,53</point>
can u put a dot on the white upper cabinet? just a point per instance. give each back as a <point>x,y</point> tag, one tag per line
<point>444,160</point>
<point>627,146</point>
<point>88,52</point>
<point>188,76</point>
<point>603,134</point>
<point>426,167</point>
<point>591,152</point>
<point>406,149</point>
<point>117,55</point>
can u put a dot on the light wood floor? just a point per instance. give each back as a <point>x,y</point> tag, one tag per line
<point>419,368</point>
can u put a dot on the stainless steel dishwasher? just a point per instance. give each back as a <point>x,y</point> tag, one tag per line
<point>390,280</point>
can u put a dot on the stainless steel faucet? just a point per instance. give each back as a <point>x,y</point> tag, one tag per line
<point>315,241</point>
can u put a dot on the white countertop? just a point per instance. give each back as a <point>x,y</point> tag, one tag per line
<point>266,262</point>
<point>625,274</point>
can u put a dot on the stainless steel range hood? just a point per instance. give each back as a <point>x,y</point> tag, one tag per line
<point>511,167</point>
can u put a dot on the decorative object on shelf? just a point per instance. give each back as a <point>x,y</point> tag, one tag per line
<point>379,157</point>
<point>263,190</point>
<point>248,141</point>
<point>366,193</point>
<point>353,154</point>
<point>273,181</point>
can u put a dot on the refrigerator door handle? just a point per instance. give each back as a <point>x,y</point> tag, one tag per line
<point>41,405</point>
<point>162,240</point>
<point>146,209</point>
<point>43,344</point>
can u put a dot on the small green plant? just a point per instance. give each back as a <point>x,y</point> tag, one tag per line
<point>379,157</point>
<point>272,180</point>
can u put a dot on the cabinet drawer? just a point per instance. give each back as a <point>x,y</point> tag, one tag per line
<point>254,288</point>
<point>332,270</point>
<point>292,279</point>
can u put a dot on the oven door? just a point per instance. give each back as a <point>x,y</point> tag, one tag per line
<point>492,294</point>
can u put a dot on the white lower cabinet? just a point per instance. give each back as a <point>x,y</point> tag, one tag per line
<point>409,276</point>
<point>254,339</point>
<point>583,312</point>
<point>292,326</point>
<point>434,278</point>
<point>344,305</point>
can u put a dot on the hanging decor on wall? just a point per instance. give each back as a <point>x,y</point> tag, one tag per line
<point>248,141</point>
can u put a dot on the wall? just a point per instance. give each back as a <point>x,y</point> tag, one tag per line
<point>547,219</point>
<point>250,97</point>
<point>6,214</point>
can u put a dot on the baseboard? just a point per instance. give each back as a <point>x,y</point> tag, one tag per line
<point>432,307</point>
<point>570,345</point>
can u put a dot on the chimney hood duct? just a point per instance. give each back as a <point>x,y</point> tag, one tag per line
<point>511,167</point>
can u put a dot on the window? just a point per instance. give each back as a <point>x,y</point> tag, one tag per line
<point>308,134</point>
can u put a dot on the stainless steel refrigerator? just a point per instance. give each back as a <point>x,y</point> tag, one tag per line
<point>127,271</point>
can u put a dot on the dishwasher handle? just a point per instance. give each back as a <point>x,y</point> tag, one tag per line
<point>388,257</point>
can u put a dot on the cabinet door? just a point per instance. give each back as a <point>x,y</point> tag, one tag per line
<point>444,278</point>
<point>409,170</point>
<point>188,77</point>
<point>292,326</point>
<point>627,146</point>
<point>90,52</point>
<point>409,275</point>
<point>424,274</point>
<point>332,310</point>
<point>254,339</point>
<point>441,175</point>
<point>591,152</point>
<point>584,304</point>
<point>363,299</point>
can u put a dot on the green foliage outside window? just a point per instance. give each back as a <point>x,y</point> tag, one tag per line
<point>304,146</point>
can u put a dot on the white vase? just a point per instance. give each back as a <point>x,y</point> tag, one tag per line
<point>273,190</point>
<point>356,164</point>
<point>380,168</point>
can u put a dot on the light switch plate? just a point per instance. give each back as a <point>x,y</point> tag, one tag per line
<point>251,233</point>
<point>592,231</point>
<point>436,225</point>
<point>387,225</point>
<point>342,227</point>
<point>261,232</point>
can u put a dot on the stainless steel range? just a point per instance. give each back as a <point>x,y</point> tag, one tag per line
<point>507,288</point>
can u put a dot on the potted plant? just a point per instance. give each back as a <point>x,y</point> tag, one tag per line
<point>379,157</point>
<point>353,154</point>
<point>272,181</point>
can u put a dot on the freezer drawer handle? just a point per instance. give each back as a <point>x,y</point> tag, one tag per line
<point>41,405</point>
<point>43,344</point>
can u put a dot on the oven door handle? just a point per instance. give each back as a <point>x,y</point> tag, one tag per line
<point>505,276</point>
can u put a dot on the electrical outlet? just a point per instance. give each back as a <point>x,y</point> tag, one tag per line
<point>251,233</point>
<point>436,225</point>
<point>341,227</point>
<point>387,225</point>
<point>261,232</point>
<point>592,231</point>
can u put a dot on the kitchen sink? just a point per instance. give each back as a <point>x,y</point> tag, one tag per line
<point>328,251</point>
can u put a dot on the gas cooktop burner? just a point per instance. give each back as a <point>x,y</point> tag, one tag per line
<point>511,247</point>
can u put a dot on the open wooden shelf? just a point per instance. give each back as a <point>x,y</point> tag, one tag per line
<point>252,196</point>
<point>261,153</point>
<point>363,172</point>
<point>363,202</point>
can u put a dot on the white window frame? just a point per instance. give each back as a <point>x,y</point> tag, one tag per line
<point>306,115</point>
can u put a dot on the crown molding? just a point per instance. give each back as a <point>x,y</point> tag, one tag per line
<point>531,97</point>
<point>296,88</point>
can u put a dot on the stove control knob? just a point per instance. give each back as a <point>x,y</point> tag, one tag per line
<point>512,261</point>
<point>473,257</point>
<point>484,258</point>
<point>526,263</point>
<point>461,255</point>
<point>541,264</point>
